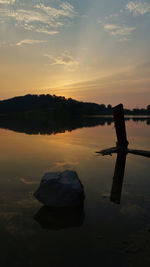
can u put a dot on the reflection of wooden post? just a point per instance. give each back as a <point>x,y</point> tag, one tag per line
<point>118,114</point>
<point>118,178</point>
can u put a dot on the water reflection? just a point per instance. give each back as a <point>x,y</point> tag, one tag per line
<point>107,231</point>
<point>60,218</point>
<point>60,126</point>
<point>53,126</point>
<point>118,178</point>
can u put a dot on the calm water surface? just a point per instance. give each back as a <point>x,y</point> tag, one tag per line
<point>103,233</point>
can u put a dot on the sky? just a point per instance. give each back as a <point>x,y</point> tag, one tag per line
<point>90,50</point>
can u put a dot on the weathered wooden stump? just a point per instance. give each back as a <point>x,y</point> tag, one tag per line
<point>118,114</point>
<point>122,142</point>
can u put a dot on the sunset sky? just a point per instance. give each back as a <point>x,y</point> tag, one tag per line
<point>90,50</point>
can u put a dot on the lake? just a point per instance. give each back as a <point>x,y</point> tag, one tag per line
<point>103,232</point>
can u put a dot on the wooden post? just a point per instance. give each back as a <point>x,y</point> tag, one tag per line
<point>118,114</point>
<point>122,143</point>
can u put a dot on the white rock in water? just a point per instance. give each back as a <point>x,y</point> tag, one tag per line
<point>60,189</point>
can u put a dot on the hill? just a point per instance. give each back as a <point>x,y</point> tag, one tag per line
<point>51,104</point>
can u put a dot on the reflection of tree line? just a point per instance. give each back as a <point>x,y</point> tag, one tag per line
<point>59,125</point>
<point>53,126</point>
<point>142,119</point>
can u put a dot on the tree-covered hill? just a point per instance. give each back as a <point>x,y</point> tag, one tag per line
<point>52,104</point>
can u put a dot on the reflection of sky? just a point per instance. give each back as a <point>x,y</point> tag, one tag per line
<point>90,50</point>
<point>23,161</point>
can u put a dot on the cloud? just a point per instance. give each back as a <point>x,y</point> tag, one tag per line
<point>67,6</point>
<point>65,10</point>
<point>39,18</point>
<point>116,30</point>
<point>7,2</point>
<point>111,27</point>
<point>43,30</point>
<point>109,19</point>
<point>138,7</point>
<point>65,59</point>
<point>27,16</point>
<point>124,39</point>
<point>30,42</point>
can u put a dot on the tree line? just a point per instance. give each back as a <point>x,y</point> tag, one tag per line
<point>52,105</point>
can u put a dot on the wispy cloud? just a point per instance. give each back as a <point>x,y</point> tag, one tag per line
<point>29,42</point>
<point>114,26</point>
<point>46,31</point>
<point>39,18</point>
<point>67,6</point>
<point>112,18</point>
<point>117,30</point>
<point>65,59</point>
<point>124,39</point>
<point>7,2</point>
<point>111,27</point>
<point>65,10</point>
<point>138,7</point>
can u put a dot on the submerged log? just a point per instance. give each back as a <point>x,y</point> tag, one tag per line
<point>108,151</point>
<point>112,150</point>
<point>143,153</point>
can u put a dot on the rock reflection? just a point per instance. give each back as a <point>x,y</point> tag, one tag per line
<point>60,218</point>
